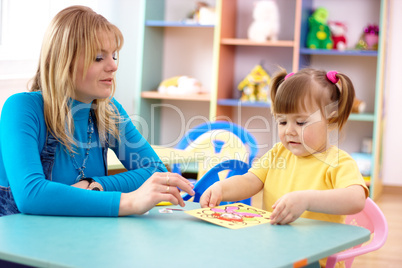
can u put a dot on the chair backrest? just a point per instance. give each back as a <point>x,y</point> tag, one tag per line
<point>216,146</point>
<point>193,134</point>
<point>371,218</point>
<point>237,167</point>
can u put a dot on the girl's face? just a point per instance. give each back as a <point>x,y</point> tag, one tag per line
<point>97,84</point>
<point>303,133</point>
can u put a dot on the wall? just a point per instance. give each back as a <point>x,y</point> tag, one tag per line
<point>23,25</point>
<point>392,167</point>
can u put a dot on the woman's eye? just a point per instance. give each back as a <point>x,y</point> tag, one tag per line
<point>98,58</point>
<point>114,56</point>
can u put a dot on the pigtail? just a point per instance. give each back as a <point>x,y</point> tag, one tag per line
<point>276,81</point>
<point>346,98</point>
<point>343,94</point>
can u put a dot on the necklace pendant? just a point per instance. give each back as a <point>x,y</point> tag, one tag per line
<point>81,169</point>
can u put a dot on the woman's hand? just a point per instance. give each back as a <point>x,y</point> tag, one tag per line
<point>289,207</point>
<point>159,187</point>
<point>212,197</point>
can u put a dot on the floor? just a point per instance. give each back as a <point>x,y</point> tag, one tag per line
<point>390,255</point>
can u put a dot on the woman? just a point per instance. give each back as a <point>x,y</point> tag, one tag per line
<point>54,139</point>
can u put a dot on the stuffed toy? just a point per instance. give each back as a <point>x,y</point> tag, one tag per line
<point>319,34</point>
<point>358,106</point>
<point>180,85</point>
<point>194,15</point>
<point>266,22</point>
<point>369,38</point>
<point>338,31</point>
<point>255,86</point>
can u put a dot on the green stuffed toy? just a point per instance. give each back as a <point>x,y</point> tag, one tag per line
<point>319,35</point>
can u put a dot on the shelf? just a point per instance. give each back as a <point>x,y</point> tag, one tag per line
<point>362,117</point>
<point>247,42</point>
<point>353,52</point>
<point>237,102</point>
<point>190,97</point>
<point>161,23</point>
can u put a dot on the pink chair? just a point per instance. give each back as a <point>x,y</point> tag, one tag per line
<point>371,218</point>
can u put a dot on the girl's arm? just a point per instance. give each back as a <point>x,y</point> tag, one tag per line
<point>232,189</point>
<point>342,201</point>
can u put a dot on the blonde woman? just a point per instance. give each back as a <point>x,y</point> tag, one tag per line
<point>54,139</point>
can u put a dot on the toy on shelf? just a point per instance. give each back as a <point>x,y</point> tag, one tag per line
<point>266,22</point>
<point>369,38</point>
<point>180,85</point>
<point>202,14</point>
<point>358,106</point>
<point>338,33</point>
<point>255,86</point>
<point>319,34</point>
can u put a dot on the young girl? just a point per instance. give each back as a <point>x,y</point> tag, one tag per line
<point>303,175</point>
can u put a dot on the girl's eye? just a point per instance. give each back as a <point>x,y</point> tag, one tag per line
<point>282,123</point>
<point>301,123</point>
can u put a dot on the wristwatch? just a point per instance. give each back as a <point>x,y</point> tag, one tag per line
<point>93,185</point>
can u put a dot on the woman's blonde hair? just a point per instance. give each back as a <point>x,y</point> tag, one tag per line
<point>74,31</point>
<point>292,93</point>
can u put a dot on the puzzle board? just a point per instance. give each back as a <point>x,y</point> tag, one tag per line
<point>233,216</point>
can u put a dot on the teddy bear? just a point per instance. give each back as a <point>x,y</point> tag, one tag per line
<point>319,34</point>
<point>180,85</point>
<point>266,22</point>
<point>338,31</point>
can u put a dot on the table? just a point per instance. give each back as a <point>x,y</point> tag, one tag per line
<point>168,240</point>
<point>167,155</point>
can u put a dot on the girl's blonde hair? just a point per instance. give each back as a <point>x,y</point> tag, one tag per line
<point>74,31</point>
<point>308,87</point>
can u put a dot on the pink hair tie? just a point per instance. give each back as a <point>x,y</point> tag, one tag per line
<point>288,75</point>
<point>331,75</point>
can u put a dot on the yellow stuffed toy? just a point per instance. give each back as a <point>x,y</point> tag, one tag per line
<point>255,86</point>
<point>180,85</point>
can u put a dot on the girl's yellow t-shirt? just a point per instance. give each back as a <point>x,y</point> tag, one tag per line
<point>283,172</point>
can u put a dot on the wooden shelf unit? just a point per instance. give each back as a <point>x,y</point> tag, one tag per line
<point>340,60</point>
<point>158,34</point>
<point>227,47</point>
<point>234,56</point>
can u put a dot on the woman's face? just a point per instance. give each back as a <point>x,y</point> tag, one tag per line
<point>98,82</point>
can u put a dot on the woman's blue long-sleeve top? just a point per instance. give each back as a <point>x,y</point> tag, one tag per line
<point>22,137</point>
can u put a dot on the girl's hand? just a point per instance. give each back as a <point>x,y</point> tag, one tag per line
<point>159,187</point>
<point>289,207</point>
<point>212,197</point>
